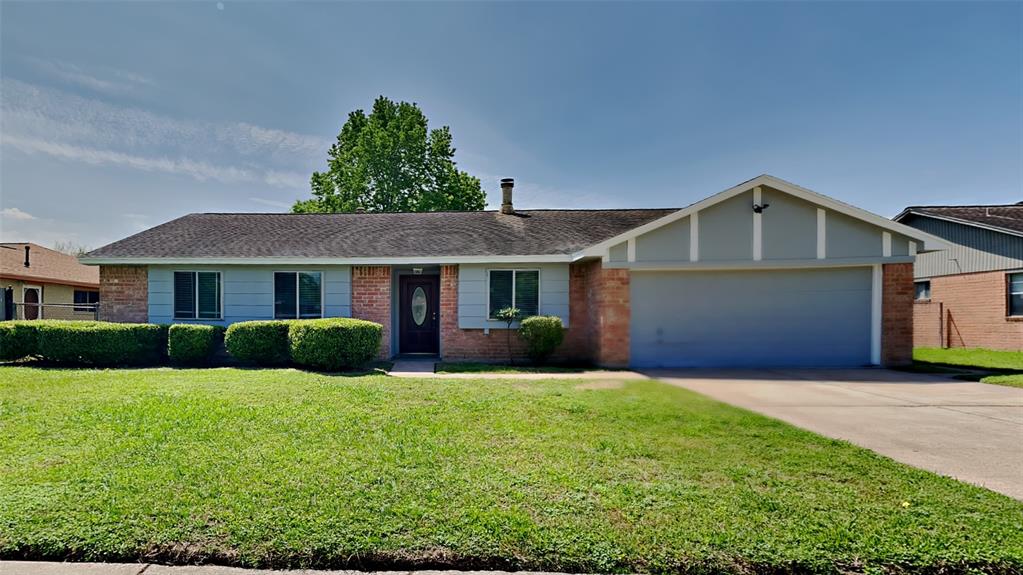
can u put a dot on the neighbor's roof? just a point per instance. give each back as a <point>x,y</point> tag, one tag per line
<point>377,235</point>
<point>1007,218</point>
<point>45,266</point>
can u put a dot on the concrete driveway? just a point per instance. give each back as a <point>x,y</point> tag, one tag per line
<point>967,430</point>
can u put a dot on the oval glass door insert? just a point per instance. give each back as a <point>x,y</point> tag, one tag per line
<point>419,305</point>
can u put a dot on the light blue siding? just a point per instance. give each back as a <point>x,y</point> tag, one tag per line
<point>726,230</point>
<point>248,291</point>
<point>472,293</point>
<point>665,244</point>
<point>788,237</point>
<point>619,253</point>
<point>973,249</point>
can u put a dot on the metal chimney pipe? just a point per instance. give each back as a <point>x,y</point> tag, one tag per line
<point>27,250</point>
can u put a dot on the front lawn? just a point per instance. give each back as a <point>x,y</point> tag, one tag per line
<point>287,468</point>
<point>985,365</point>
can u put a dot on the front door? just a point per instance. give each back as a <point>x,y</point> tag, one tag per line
<point>31,299</point>
<point>418,324</point>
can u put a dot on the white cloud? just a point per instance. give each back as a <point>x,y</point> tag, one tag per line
<point>40,120</point>
<point>201,171</point>
<point>101,79</point>
<point>16,214</point>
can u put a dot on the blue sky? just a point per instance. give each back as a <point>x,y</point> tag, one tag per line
<point>117,117</point>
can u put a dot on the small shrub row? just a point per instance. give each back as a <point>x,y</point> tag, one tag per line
<point>193,344</point>
<point>329,344</point>
<point>93,343</point>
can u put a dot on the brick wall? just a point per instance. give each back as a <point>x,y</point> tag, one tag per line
<point>598,321</point>
<point>968,310</point>
<point>124,294</point>
<point>897,314</point>
<point>371,300</point>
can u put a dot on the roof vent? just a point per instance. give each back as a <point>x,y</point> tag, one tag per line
<point>27,250</point>
<point>506,195</point>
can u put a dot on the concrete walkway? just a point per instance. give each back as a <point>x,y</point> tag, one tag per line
<point>967,430</point>
<point>423,368</point>
<point>54,568</point>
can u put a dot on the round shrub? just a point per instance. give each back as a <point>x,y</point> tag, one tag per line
<point>99,343</point>
<point>193,344</point>
<point>18,339</point>
<point>262,342</point>
<point>542,334</point>
<point>334,344</point>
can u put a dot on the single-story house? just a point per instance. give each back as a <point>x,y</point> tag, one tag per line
<point>39,283</point>
<point>764,273</point>
<point>972,294</point>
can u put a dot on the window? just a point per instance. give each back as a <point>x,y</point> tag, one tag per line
<point>86,300</point>
<point>923,290</point>
<point>514,288</point>
<point>197,295</point>
<point>298,295</point>
<point>1016,294</point>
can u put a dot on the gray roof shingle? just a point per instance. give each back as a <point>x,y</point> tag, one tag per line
<point>1008,217</point>
<point>429,234</point>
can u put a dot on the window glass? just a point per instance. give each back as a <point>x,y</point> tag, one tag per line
<point>923,290</point>
<point>309,304</point>
<point>298,295</point>
<point>527,292</point>
<point>515,288</point>
<point>184,295</point>
<point>209,295</point>
<point>285,295</point>
<point>1016,294</point>
<point>500,291</point>
<point>86,299</point>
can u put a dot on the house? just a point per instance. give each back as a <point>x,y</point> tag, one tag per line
<point>764,273</point>
<point>972,294</point>
<point>44,283</point>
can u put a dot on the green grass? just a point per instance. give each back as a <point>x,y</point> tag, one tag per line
<point>975,364</point>
<point>474,367</point>
<point>971,357</point>
<point>1015,380</point>
<point>288,468</point>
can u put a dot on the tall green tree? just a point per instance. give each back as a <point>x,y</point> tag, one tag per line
<point>389,161</point>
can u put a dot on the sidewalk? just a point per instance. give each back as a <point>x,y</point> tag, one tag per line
<point>423,368</point>
<point>54,568</point>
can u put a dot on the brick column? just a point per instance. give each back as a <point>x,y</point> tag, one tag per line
<point>610,302</point>
<point>371,300</point>
<point>124,294</point>
<point>897,314</point>
<point>448,310</point>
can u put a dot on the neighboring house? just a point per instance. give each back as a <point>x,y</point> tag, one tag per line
<point>46,283</point>
<point>765,273</point>
<point>972,294</point>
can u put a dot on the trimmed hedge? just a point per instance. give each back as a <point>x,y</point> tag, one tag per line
<point>99,343</point>
<point>542,334</point>
<point>334,344</point>
<point>262,342</point>
<point>193,344</point>
<point>18,340</point>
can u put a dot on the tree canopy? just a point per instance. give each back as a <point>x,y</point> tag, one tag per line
<point>389,161</point>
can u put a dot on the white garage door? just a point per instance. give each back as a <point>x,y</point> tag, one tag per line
<point>816,317</point>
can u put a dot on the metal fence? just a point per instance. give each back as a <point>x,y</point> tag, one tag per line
<point>69,311</point>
